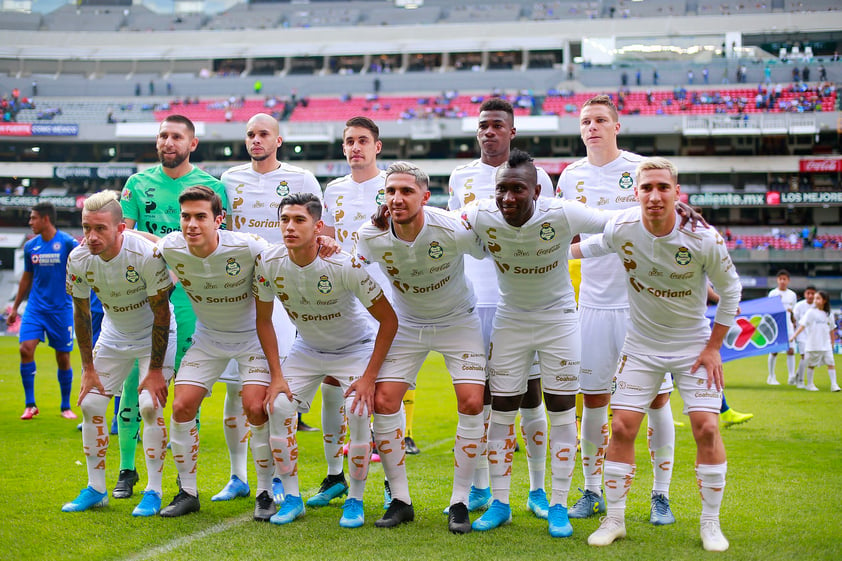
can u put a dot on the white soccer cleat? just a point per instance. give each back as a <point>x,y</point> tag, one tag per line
<point>772,381</point>
<point>812,388</point>
<point>610,529</point>
<point>712,538</point>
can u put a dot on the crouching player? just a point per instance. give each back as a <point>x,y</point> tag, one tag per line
<point>668,333</point>
<point>133,284</point>
<point>326,299</point>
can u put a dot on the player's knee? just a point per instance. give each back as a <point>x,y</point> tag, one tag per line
<point>471,404</point>
<point>94,404</point>
<point>386,404</point>
<point>284,408</point>
<point>622,429</point>
<point>147,407</point>
<point>706,430</point>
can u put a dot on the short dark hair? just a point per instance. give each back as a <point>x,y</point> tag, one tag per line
<point>202,193</point>
<point>308,200</point>
<point>605,101</point>
<point>520,159</point>
<point>183,120</point>
<point>46,209</point>
<point>810,287</point>
<point>783,272</point>
<point>498,104</point>
<point>365,123</point>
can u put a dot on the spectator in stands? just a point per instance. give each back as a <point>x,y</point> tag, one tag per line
<point>705,74</point>
<point>805,74</point>
<point>655,76</point>
<point>637,77</point>
<point>624,79</point>
<point>151,87</point>
<point>822,74</point>
<point>137,89</point>
<point>690,76</point>
<point>35,86</point>
<point>796,74</point>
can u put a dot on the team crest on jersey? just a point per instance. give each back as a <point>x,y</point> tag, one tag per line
<point>282,189</point>
<point>132,275</point>
<point>436,251</point>
<point>682,256</point>
<point>381,197</point>
<point>547,232</point>
<point>626,180</point>
<point>324,285</point>
<point>232,267</point>
<point>56,246</point>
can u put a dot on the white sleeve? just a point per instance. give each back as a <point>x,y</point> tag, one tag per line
<point>583,219</point>
<point>595,246</point>
<point>723,275</point>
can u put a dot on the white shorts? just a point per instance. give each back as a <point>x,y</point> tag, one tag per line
<point>800,343</point>
<point>114,360</point>
<point>514,344</point>
<point>640,378</point>
<point>460,343</point>
<point>305,368</point>
<point>284,331</point>
<point>486,318</point>
<point>819,358</point>
<point>605,331</point>
<point>205,360</point>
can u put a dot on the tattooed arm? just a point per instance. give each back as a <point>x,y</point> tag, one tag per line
<point>154,381</point>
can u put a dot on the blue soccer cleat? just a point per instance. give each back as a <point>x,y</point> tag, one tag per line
<point>497,515</point>
<point>559,524</point>
<point>149,505</point>
<point>235,487</point>
<point>590,504</point>
<point>292,508</point>
<point>353,515</point>
<point>277,490</point>
<point>661,514</point>
<point>332,486</point>
<point>538,503</point>
<point>88,498</point>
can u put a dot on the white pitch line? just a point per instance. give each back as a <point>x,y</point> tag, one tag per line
<point>190,538</point>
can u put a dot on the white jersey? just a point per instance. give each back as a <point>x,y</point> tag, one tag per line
<point>254,197</point>
<point>531,261</point>
<point>219,285</point>
<point>326,299</point>
<point>817,325</point>
<point>667,284</point>
<point>609,187</point>
<point>123,284</point>
<point>788,299</point>
<point>428,274</point>
<point>471,182</point>
<point>798,312</point>
<point>349,205</point>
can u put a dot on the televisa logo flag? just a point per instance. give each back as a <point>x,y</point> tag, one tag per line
<point>760,329</point>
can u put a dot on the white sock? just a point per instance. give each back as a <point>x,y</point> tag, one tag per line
<point>283,423</point>
<point>831,373</point>
<point>333,426</point>
<point>154,441</point>
<point>562,453</point>
<point>790,365</point>
<point>469,434</point>
<point>389,434</point>
<point>95,438</point>
<point>661,447</point>
<point>711,479</point>
<point>236,430</point>
<point>184,440</point>
<point>481,470</point>
<point>618,480</point>
<point>261,452</point>
<point>501,451</point>
<point>770,361</point>
<point>594,443</point>
<point>799,372</point>
<point>808,375</point>
<point>533,426</point>
<point>359,451</point>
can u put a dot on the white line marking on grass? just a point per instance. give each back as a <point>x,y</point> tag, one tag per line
<point>190,538</point>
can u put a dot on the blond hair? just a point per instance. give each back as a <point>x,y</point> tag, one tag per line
<point>105,201</point>
<point>656,163</point>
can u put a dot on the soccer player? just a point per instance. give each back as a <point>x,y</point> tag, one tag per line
<point>216,267</point>
<point>422,252</point>
<point>150,204</point>
<point>668,332</point>
<point>134,286</point>
<point>349,202</point>
<point>254,192</point>
<point>798,312</point>
<point>326,299</point>
<point>819,325</point>
<point>528,238</point>
<point>788,299</point>
<point>605,179</point>
<point>474,181</point>
<point>49,309</point>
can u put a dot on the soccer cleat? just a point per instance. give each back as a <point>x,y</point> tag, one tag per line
<point>304,427</point>
<point>410,446</point>
<point>264,507</point>
<point>792,379</point>
<point>149,505</point>
<point>291,508</point>
<point>125,484</point>
<point>277,490</point>
<point>88,498</point>
<point>114,428</point>
<point>538,504</point>
<point>183,503</point>
<point>731,417</point>
<point>397,513</point>
<point>497,515</point>
<point>79,426</point>
<point>332,486</point>
<point>835,388</point>
<point>458,521</point>
<point>590,504</point>
<point>68,414</point>
<point>235,487</point>
<point>353,515</point>
<point>811,388</point>
<point>772,381</point>
<point>29,412</point>
<point>610,529</point>
<point>387,494</point>
<point>712,537</point>
<point>800,385</point>
<point>559,524</point>
<point>660,513</point>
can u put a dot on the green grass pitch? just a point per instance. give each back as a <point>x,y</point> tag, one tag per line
<point>784,470</point>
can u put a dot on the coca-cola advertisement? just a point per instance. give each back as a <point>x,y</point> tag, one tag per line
<point>824,165</point>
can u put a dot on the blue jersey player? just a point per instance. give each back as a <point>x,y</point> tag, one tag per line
<point>49,310</point>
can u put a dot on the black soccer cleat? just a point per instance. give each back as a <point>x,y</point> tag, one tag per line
<point>183,503</point>
<point>125,484</point>
<point>458,521</point>
<point>397,513</point>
